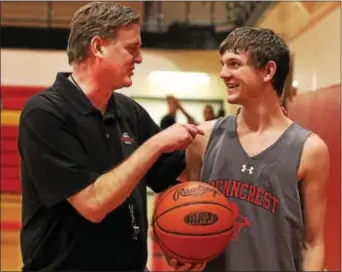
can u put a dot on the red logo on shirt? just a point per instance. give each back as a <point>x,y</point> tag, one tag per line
<point>126,139</point>
<point>253,194</point>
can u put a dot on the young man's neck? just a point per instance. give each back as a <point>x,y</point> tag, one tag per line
<point>92,86</point>
<point>260,115</point>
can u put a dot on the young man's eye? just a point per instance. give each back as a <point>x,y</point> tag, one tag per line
<point>234,64</point>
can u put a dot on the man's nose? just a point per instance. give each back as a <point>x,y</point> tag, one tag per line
<point>225,73</point>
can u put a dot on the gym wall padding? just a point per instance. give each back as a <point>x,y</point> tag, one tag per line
<point>320,111</point>
<point>10,162</point>
<point>13,99</point>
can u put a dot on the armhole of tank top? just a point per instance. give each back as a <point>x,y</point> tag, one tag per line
<point>307,134</point>
<point>217,124</point>
<point>300,182</point>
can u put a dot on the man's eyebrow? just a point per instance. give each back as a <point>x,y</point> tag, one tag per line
<point>232,59</point>
<point>135,44</point>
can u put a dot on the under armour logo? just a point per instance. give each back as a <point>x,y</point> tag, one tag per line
<point>249,170</point>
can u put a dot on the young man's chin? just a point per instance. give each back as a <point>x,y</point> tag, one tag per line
<point>233,99</point>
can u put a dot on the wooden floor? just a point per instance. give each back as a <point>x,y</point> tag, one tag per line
<point>10,217</point>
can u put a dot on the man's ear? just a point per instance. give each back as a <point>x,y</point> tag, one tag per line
<point>270,71</point>
<point>96,46</point>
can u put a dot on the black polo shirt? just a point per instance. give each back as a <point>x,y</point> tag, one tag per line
<point>167,121</point>
<point>65,144</point>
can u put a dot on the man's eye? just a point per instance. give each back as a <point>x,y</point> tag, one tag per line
<point>235,64</point>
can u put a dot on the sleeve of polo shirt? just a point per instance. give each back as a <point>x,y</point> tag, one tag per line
<point>166,170</point>
<point>169,166</point>
<point>52,157</point>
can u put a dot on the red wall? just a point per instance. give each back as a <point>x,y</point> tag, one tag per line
<point>12,99</point>
<point>320,111</point>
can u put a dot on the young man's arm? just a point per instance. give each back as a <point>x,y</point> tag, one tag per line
<point>314,187</point>
<point>195,153</point>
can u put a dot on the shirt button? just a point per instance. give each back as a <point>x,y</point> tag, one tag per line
<point>107,135</point>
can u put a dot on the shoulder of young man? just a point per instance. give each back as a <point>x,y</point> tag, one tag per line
<point>201,142</point>
<point>315,154</point>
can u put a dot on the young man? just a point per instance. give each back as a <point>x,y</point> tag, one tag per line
<point>87,154</point>
<point>273,169</point>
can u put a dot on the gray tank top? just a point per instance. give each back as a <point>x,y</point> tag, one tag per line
<point>269,231</point>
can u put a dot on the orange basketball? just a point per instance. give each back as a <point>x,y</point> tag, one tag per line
<point>193,222</point>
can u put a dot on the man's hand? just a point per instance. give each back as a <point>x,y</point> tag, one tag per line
<point>176,137</point>
<point>178,266</point>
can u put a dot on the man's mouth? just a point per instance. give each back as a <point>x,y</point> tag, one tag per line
<point>232,86</point>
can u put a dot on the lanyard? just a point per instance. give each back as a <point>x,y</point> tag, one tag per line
<point>135,226</point>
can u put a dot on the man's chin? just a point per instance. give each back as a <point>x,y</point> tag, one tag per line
<point>233,100</point>
<point>127,82</point>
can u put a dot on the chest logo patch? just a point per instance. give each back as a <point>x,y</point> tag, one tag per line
<point>126,139</point>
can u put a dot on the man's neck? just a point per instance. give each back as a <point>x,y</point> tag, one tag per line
<point>261,115</point>
<point>92,87</point>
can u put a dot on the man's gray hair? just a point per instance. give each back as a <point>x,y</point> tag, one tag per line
<point>96,19</point>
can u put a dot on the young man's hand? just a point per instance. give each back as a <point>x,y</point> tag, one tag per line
<point>179,266</point>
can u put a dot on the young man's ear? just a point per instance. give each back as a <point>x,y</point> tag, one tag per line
<point>270,71</point>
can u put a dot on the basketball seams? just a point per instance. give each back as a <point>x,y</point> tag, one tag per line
<point>164,195</point>
<point>188,204</point>
<point>180,185</point>
<point>193,200</point>
<point>195,234</point>
<point>162,245</point>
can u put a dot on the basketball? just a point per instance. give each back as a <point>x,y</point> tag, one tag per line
<point>193,222</point>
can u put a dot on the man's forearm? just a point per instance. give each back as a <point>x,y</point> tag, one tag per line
<point>112,188</point>
<point>313,258</point>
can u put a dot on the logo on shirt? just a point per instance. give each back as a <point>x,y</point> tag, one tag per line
<point>240,221</point>
<point>239,224</point>
<point>249,170</point>
<point>256,195</point>
<point>126,139</point>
